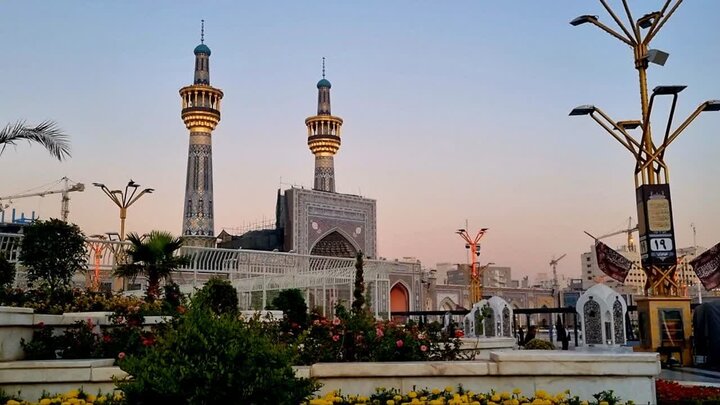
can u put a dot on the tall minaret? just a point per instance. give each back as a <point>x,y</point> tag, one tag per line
<point>201,113</point>
<point>324,137</point>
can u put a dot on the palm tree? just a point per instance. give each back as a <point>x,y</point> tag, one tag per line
<point>153,256</point>
<point>46,134</point>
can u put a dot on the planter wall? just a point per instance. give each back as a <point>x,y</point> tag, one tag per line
<point>19,323</point>
<point>631,376</point>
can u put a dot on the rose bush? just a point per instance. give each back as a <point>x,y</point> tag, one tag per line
<point>671,392</point>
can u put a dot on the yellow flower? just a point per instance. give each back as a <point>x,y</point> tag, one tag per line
<point>604,403</point>
<point>448,388</point>
<point>45,401</point>
<point>390,402</point>
<point>435,391</point>
<point>495,398</point>
<point>72,394</point>
<point>505,395</point>
<point>12,402</point>
<point>517,391</point>
<point>412,394</point>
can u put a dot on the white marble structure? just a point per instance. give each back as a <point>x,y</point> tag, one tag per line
<point>602,316</point>
<point>489,318</point>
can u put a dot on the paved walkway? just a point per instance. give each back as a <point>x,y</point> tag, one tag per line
<point>692,376</point>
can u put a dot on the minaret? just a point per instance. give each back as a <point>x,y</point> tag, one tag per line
<point>201,113</point>
<point>324,137</point>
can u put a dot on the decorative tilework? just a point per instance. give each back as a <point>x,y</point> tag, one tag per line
<point>593,323</point>
<point>619,322</point>
<point>198,213</point>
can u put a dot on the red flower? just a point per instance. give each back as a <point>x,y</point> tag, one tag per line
<point>399,343</point>
<point>107,338</point>
<point>459,333</point>
<point>336,321</point>
<point>148,341</point>
<point>335,338</point>
<point>121,355</point>
<point>181,309</point>
<point>294,325</point>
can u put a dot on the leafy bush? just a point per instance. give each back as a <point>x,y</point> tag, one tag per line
<point>293,305</point>
<point>53,251</point>
<point>7,272</point>
<point>539,344</point>
<point>205,358</point>
<point>219,296</point>
<point>43,344</point>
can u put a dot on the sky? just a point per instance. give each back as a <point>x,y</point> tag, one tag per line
<point>454,112</point>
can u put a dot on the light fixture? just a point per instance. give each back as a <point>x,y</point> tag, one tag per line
<point>657,56</point>
<point>629,124</point>
<point>712,105</point>
<point>647,20</point>
<point>584,19</point>
<point>667,90</point>
<point>583,110</point>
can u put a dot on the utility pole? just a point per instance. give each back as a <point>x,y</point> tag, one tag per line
<point>473,246</point>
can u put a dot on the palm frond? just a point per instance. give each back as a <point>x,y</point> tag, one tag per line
<point>46,134</point>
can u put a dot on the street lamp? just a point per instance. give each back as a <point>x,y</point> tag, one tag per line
<point>651,171</point>
<point>124,199</point>
<point>657,236</point>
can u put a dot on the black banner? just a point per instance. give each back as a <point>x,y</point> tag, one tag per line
<point>707,267</point>
<point>611,262</point>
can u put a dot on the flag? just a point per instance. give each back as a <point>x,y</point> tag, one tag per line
<point>611,262</point>
<point>707,267</point>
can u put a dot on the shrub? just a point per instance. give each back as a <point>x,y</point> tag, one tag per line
<point>539,344</point>
<point>219,296</point>
<point>204,358</point>
<point>7,272</point>
<point>293,305</point>
<point>53,251</point>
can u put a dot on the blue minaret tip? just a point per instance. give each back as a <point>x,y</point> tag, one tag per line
<point>323,82</point>
<point>202,48</point>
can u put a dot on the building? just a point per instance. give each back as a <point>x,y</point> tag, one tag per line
<point>201,114</point>
<point>492,276</point>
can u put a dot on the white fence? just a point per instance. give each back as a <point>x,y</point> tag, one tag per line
<point>257,275</point>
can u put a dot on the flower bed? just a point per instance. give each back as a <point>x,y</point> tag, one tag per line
<point>452,396</point>
<point>673,393</point>
<point>78,397</point>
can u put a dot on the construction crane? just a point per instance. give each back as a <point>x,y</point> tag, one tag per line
<point>64,192</point>
<point>630,229</point>
<point>553,263</point>
<point>473,245</point>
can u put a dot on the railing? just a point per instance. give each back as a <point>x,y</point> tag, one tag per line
<point>327,279</point>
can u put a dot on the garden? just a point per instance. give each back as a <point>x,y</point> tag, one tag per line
<point>205,352</point>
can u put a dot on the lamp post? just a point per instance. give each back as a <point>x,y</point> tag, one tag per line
<point>473,245</point>
<point>124,199</point>
<point>657,237</point>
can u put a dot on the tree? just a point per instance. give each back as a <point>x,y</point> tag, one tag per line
<point>7,272</point>
<point>358,304</point>
<point>46,134</point>
<point>153,256</point>
<point>53,251</point>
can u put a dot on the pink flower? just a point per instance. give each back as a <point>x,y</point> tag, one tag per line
<point>316,323</point>
<point>421,336</point>
<point>121,355</point>
<point>41,325</point>
<point>335,338</point>
<point>399,343</point>
<point>423,348</point>
<point>336,321</point>
<point>379,332</point>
